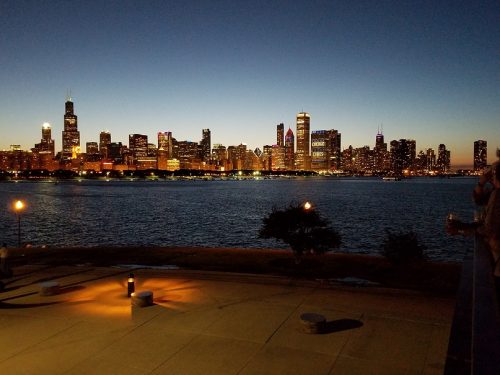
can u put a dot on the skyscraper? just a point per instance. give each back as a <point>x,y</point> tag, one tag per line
<point>138,146</point>
<point>46,144</point>
<point>206,145</point>
<point>443,160</point>
<point>379,152</point>
<point>278,158</point>
<point>289,150</point>
<point>43,152</point>
<point>280,133</point>
<point>334,149</point>
<point>91,148</point>
<point>480,155</point>
<point>104,141</point>
<point>165,143</point>
<point>70,134</point>
<point>325,150</point>
<point>403,154</point>
<point>302,156</point>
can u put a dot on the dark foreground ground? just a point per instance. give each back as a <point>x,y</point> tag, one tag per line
<point>434,277</point>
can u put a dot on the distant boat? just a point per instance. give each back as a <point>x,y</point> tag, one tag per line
<point>387,178</point>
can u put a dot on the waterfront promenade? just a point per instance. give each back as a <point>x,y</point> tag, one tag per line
<point>214,323</point>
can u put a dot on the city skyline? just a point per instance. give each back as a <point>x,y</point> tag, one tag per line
<point>427,72</point>
<point>321,149</point>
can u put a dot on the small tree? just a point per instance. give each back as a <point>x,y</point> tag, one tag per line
<point>301,227</point>
<point>402,247</point>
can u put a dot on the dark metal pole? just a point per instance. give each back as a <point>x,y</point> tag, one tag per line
<point>18,230</point>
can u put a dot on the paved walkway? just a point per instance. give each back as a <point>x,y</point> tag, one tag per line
<point>209,324</point>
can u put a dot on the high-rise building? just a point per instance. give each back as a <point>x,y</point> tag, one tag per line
<point>104,141</point>
<point>114,152</point>
<point>302,155</point>
<point>166,143</point>
<point>206,145</point>
<point>379,142</point>
<point>219,153</point>
<point>431,159</point>
<point>334,149</point>
<point>480,155</point>
<point>320,150</point>
<point>325,150</point>
<point>138,146</point>
<point>289,150</point>
<point>46,144</point>
<point>278,158</point>
<point>379,152</point>
<point>92,148</point>
<point>280,134</point>
<point>70,134</point>
<point>187,154</point>
<point>403,154</point>
<point>443,159</point>
<point>43,152</point>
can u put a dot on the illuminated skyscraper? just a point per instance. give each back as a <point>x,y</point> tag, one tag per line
<point>334,149</point>
<point>138,146</point>
<point>280,134</point>
<point>92,148</point>
<point>443,160</point>
<point>70,134</point>
<point>430,159</point>
<point>325,150</point>
<point>289,150</point>
<point>278,158</point>
<point>165,143</point>
<point>302,156</point>
<point>403,155</point>
<point>480,155</point>
<point>43,152</point>
<point>206,145</point>
<point>104,141</point>
<point>379,152</point>
<point>115,150</point>
<point>46,144</point>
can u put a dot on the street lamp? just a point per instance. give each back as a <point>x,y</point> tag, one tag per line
<point>19,207</point>
<point>130,285</point>
<point>307,206</point>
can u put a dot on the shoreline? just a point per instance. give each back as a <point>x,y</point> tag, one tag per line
<point>430,276</point>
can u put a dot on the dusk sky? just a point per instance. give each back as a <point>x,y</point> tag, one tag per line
<point>426,70</point>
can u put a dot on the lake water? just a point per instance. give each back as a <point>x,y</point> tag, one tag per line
<point>229,213</point>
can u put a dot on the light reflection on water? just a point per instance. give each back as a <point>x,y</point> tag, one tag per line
<point>229,213</point>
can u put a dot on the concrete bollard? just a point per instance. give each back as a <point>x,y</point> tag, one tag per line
<point>142,299</point>
<point>312,323</point>
<point>49,288</point>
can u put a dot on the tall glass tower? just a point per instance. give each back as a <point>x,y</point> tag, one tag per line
<point>480,154</point>
<point>70,134</point>
<point>280,134</point>
<point>302,155</point>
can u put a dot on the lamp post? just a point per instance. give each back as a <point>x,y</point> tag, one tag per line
<point>130,285</point>
<point>18,207</point>
<point>307,206</point>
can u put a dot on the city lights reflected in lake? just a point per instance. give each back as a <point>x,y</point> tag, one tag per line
<point>229,213</point>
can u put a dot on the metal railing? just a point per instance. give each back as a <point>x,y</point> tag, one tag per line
<point>474,345</point>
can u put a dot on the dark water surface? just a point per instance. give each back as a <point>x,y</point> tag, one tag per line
<point>229,213</point>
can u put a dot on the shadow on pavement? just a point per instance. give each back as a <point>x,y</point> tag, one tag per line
<point>4,305</point>
<point>341,325</point>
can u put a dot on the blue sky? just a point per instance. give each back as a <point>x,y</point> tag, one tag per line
<point>426,70</point>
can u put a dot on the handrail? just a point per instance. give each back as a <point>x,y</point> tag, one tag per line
<point>474,344</point>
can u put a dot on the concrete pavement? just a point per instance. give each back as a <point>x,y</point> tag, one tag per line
<point>214,324</point>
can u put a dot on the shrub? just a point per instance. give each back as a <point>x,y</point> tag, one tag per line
<point>402,247</point>
<point>301,228</point>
